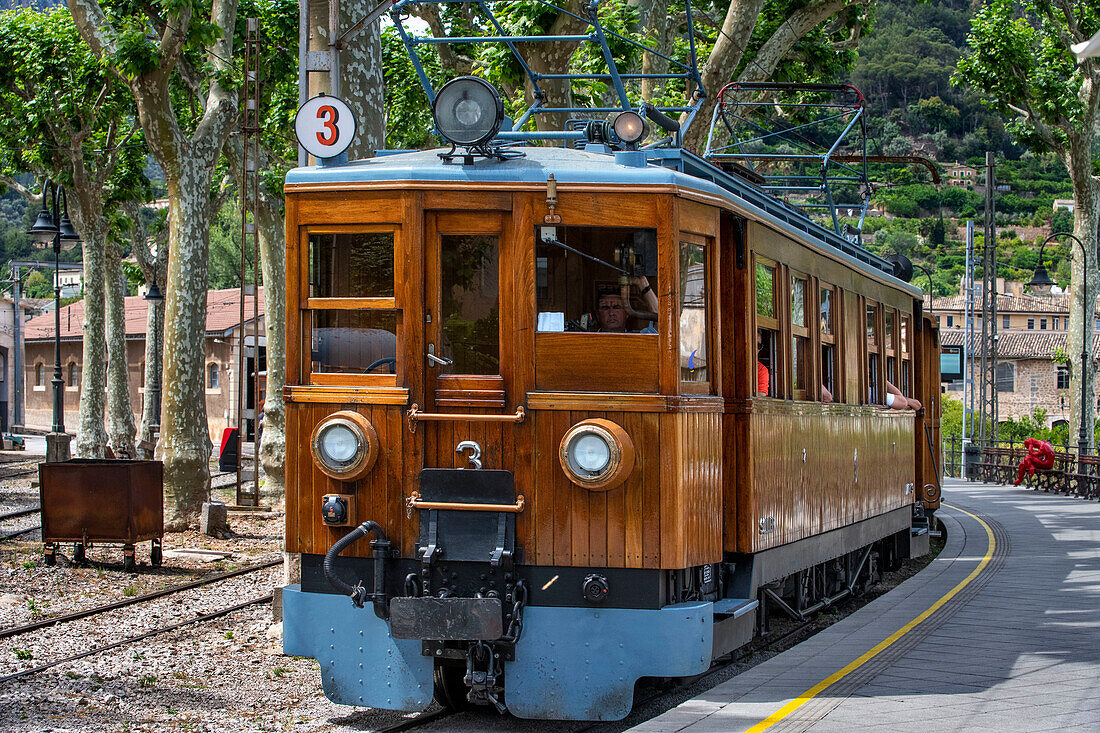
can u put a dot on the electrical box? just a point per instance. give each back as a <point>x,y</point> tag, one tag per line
<point>338,510</point>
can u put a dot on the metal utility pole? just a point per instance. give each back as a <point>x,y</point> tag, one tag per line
<point>968,343</point>
<point>987,407</point>
<point>250,191</point>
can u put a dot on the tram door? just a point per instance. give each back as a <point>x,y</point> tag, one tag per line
<point>462,311</point>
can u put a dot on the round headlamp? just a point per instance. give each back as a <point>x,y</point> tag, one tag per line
<point>468,111</point>
<point>597,454</point>
<point>629,127</point>
<point>344,445</point>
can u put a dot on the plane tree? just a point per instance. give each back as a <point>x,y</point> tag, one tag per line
<point>1019,60</point>
<point>143,44</point>
<point>63,117</point>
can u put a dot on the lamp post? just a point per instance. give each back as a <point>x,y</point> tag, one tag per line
<point>155,297</point>
<point>1041,283</point>
<point>47,229</point>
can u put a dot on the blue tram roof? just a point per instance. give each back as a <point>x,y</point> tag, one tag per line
<point>666,166</point>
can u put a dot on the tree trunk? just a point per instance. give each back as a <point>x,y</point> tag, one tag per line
<point>361,81</point>
<point>1083,281</point>
<point>120,412</point>
<point>723,60</point>
<point>91,438</point>
<point>185,440</point>
<point>273,261</point>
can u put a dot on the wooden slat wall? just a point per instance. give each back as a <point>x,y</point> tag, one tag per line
<point>824,492</point>
<point>378,495</point>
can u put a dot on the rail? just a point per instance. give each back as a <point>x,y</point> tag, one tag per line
<point>415,502</point>
<point>416,415</point>
<point>1071,475</point>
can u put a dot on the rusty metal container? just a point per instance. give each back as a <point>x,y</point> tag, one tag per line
<point>94,501</point>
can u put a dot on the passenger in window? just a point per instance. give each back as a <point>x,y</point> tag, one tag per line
<point>763,374</point>
<point>895,400</point>
<point>826,395</point>
<point>612,313</point>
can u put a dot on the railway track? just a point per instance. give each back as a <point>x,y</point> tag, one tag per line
<point>105,608</point>
<point>5,536</point>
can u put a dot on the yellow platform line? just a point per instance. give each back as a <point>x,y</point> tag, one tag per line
<point>817,689</point>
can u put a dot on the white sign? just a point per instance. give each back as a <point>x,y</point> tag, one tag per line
<point>325,126</point>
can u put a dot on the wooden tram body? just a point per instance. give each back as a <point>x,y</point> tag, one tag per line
<point>733,503</point>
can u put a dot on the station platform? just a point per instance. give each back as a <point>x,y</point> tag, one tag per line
<point>1000,633</point>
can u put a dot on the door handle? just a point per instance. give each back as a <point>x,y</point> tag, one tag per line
<point>437,360</point>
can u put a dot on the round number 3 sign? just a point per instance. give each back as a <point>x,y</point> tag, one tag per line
<point>325,126</point>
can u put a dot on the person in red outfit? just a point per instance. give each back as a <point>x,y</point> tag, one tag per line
<point>1040,454</point>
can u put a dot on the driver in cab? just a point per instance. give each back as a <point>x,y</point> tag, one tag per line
<point>611,312</point>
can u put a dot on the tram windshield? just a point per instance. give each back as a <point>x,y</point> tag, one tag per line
<point>596,279</point>
<point>354,323</point>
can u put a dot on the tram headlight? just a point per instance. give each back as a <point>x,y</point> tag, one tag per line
<point>596,454</point>
<point>468,111</point>
<point>344,445</point>
<point>629,127</point>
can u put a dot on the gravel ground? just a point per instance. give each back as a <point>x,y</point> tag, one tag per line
<point>224,675</point>
<point>227,674</point>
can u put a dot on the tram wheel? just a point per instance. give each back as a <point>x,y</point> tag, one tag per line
<point>450,687</point>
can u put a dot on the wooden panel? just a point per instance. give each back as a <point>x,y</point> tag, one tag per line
<point>292,476</point>
<point>479,221</point>
<point>698,218</point>
<point>350,394</point>
<point>858,461</point>
<point>339,207</point>
<point>603,362</point>
<point>293,319</point>
<point>350,381</point>
<point>586,400</point>
<point>351,303</point>
<point>466,200</point>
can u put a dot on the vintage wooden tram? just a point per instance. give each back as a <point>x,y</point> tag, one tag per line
<point>533,504</point>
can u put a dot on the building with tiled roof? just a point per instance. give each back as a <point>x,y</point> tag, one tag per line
<point>223,342</point>
<point>1033,350</point>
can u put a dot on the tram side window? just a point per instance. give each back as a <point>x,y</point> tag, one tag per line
<point>874,396</point>
<point>767,331</point>
<point>353,314</point>
<point>828,343</point>
<point>906,363</point>
<point>596,279</point>
<point>800,337</point>
<point>694,323</point>
<point>888,348</point>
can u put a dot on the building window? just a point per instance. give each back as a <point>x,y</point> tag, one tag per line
<point>40,375</point>
<point>1006,378</point>
<point>1063,376</point>
<point>1042,324</point>
<point>950,321</point>
<point>1004,323</point>
<point>74,375</point>
<point>1031,324</point>
<point>212,376</point>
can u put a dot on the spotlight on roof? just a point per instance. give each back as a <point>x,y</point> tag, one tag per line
<point>468,111</point>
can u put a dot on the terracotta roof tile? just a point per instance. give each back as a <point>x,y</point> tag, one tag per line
<point>1019,344</point>
<point>223,312</point>
<point>1010,304</point>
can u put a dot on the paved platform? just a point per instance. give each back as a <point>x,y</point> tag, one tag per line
<point>1000,633</point>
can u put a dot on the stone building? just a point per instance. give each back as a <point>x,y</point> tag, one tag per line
<point>224,338</point>
<point>1033,371</point>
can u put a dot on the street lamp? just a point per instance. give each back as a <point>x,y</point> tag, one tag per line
<point>155,297</point>
<point>1041,283</point>
<point>47,229</point>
